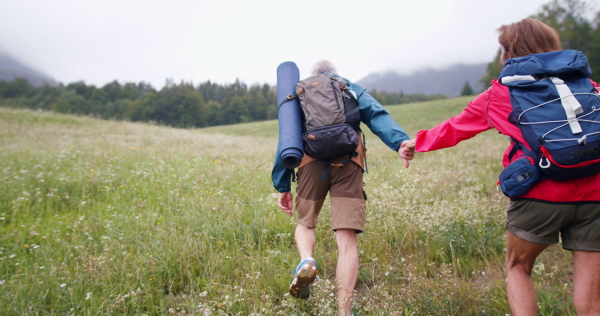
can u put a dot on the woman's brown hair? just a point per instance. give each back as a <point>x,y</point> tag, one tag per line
<point>528,36</point>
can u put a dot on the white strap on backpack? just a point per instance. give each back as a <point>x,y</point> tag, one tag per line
<point>570,104</point>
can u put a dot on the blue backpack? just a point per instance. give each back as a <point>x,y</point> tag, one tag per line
<point>558,112</point>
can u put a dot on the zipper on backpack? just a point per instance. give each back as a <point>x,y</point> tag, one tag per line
<point>335,95</point>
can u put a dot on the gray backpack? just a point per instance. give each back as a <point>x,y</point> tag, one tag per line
<point>331,118</point>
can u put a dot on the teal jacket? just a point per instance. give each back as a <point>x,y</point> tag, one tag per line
<point>372,114</point>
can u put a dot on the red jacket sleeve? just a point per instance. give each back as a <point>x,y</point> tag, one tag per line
<point>470,122</point>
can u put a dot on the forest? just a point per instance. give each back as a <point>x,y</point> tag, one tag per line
<point>208,104</point>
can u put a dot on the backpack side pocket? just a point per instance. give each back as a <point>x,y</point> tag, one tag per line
<point>519,176</point>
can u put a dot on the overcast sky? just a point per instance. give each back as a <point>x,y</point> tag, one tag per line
<point>221,40</point>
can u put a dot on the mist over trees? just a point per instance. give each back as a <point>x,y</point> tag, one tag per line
<point>578,27</point>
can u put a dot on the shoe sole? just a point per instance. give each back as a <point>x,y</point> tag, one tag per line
<point>300,288</point>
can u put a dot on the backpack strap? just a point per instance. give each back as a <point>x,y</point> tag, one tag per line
<point>365,149</point>
<point>335,165</point>
<point>527,152</point>
<point>570,104</point>
<point>516,146</point>
<point>356,109</point>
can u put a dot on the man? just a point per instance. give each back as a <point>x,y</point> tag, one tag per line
<point>348,200</point>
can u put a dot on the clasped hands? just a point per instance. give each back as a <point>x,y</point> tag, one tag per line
<point>407,151</point>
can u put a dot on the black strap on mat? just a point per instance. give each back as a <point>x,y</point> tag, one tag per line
<point>289,97</point>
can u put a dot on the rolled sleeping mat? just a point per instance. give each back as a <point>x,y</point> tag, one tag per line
<point>290,118</point>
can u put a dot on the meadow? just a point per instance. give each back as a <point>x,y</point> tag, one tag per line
<point>118,218</point>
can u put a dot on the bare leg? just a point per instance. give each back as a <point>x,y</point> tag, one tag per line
<point>520,257</point>
<point>305,241</point>
<point>586,282</point>
<point>347,269</point>
<point>305,274</point>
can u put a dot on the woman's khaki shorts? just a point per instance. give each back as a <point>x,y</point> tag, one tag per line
<point>346,193</point>
<point>538,222</point>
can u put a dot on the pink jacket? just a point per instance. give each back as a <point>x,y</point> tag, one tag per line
<point>473,120</point>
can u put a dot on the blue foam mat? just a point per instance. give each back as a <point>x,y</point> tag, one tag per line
<point>290,118</point>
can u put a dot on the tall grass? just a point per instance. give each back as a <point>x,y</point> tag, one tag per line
<point>116,218</point>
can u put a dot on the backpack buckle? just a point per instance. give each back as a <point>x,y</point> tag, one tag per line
<point>544,165</point>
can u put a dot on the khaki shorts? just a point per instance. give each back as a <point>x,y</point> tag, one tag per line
<point>346,193</point>
<point>538,222</point>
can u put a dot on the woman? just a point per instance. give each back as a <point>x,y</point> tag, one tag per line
<point>534,220</point>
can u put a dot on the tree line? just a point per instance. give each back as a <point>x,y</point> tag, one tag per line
<point>178,105</point>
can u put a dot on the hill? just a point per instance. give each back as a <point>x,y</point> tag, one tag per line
<point>449,81</point>
<point>11,69</point>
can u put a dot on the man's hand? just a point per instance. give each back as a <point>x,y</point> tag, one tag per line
<point>286,200</point>
<point>407,151</point>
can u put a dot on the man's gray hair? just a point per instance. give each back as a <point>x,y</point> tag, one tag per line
<point>323,66</point>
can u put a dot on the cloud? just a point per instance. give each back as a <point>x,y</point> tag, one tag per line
<point>221,41</point>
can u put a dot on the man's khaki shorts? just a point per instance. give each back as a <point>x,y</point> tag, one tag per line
<point>538,222</point>
<point>346,193</point>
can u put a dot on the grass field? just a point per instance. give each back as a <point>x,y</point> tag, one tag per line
<point>116,218</point>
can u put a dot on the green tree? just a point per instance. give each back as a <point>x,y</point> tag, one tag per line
<point>595,49</point>
<point>493,70</point>
<point>270,94</point>
<point>99,101</point>
<point>467,90</point>
<point>132,91</point>
<point>82,89</point>
<point>112,90</point>
<point>256,103</point>
<point>17,88</point>
<point>213,109</point>
<point>45,96</point>
<point>175,105</point>
<point>235,111</point>
<point>576,31</point>
<point>568,17</point>
<point>117,110</point>
<point>71,102</point>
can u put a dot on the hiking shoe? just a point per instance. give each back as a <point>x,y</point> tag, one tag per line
<point>305,275</point>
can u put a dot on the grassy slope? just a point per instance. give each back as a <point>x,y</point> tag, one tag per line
<point>102,217</point>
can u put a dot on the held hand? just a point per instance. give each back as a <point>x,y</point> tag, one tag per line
<point>285,201</point>
<point>407,151</point>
